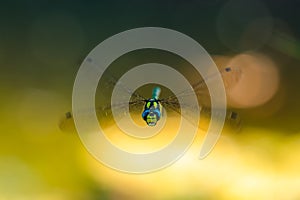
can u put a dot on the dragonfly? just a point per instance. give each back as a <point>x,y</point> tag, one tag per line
<point>152,109</point>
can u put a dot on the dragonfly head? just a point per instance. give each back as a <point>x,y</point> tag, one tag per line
<point>151,119</point>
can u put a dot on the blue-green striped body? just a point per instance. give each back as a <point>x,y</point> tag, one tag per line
<point>152,109</point>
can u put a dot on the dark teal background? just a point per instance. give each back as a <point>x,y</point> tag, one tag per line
<point>60,45</point>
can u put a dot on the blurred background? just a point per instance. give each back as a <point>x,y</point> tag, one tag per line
<point>42,44</point>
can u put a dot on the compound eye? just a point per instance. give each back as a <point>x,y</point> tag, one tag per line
<point>148,104</point>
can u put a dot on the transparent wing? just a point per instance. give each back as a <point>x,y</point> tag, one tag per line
<point>113,82</point>
<point>232,120</point>
<point>104,114</point>
<point>104,107</point>
<point>230,76</point>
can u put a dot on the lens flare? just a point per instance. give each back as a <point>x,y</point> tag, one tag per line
<point>259,81</point>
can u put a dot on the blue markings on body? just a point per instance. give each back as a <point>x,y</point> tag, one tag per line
<point>152,109</point>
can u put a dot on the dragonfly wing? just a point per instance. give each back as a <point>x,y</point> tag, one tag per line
<point>112,82</point>
<point>189,112</point>
<point>104,107</point>
<point>111,114</point>
<point>229,75</point>
<point>232,119</point>
<point>105,115</point>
